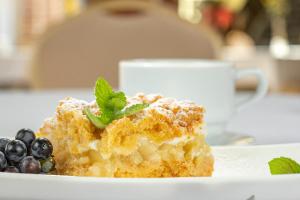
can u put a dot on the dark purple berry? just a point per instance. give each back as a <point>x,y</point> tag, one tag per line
<point>11,169</point>
<point>3,142</point>
<point>27,136</point>
<point>15,151</point>
<point>3,161</point>
<point>30,165</point>
<point>48,165</point>
<point>41,148</point>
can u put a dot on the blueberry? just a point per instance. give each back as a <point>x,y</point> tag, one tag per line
<point>11,169</point>
<point>27,136</point>
<point>41,148</point>
<point>15,151</point>
<point>30,165</point>
<point>3,142</point>
<point>48,165</point>
<point>3,161</point>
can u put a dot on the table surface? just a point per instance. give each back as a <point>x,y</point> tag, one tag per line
<point>274,119</point>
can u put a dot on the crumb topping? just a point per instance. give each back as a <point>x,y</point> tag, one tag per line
<point>180,113</point>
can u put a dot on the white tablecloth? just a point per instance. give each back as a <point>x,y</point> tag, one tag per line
<point>275,119</point>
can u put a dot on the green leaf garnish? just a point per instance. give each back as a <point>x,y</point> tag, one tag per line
<point>131,110</point>
<point>94,119</point>
<point>283,165</point>
<point>112,105</point>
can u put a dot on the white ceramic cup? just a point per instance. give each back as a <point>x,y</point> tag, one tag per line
<point>206,82</point>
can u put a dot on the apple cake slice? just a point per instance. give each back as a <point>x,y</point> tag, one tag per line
<point>162,140</point>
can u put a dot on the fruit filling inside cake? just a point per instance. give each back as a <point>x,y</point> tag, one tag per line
<point>162,139</point>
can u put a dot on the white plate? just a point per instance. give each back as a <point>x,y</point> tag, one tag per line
<point>241,173</point>
<point>229,138</point>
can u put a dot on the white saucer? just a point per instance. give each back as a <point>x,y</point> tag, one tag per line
<point>230,139</point>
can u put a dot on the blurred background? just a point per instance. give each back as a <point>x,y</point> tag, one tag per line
<point>50,44</point>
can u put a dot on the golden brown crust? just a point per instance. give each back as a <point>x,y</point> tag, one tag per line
<point>163,140</point>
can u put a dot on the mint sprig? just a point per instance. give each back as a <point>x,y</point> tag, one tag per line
<point>111,104</point>
<point>283,165</point>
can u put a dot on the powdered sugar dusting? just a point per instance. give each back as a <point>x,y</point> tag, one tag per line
<point>71,104</point>
<point>180,113</point>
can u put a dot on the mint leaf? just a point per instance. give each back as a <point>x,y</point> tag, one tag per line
<point>132,110</point>
<point>283,165</point>
<point>103,93</point>
<point>117,101</point>
<point>111,105</point>
<point>94,119</point>
<point>135,108</point>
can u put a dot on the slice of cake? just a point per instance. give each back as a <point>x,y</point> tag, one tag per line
<point>161,140</point>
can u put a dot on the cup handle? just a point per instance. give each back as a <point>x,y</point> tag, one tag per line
<point>261,90</point>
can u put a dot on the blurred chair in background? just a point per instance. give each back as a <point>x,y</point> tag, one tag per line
<point>76,52</point>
